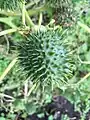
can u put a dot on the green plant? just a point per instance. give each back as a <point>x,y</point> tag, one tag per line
<point>49,57</point>
<point>3,63</point>
<point>9,4</point>
<point>58,3</point>
<point>46,58</point>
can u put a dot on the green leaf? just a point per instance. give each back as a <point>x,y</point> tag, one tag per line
<point>19,104</point>
<point>31,108</point>
<point>88,56</point>
<point>2,118</point>
<point>50,117</point>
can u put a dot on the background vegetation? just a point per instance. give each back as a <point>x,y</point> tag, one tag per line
<point>17,19</point>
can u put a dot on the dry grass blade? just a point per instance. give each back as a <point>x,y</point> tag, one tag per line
<point>8,69</point>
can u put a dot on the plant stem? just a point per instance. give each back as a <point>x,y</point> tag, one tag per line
<point>83,79</point>
<point>7,41</point>
<point>30,12</point>
<point>32,88</point>
<point>26,91</point>
<point>40,19</point>
<point>10,13</point>
<point>83,62</point>
<point>37,10</point>
<point>31,3</point>
<point>85,27</point>
<point>7,96</point>
<point>8,69</point>
<point>7,31</point>
<point>28,19</point>
<point>8,21</point>
<point>23,13</point>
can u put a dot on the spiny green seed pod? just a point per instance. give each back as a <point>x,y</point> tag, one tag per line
<point>58,3</point>
<point>64,17</point>
<point>9,4</point>
<point>45,57</point>
<point>62,10</point>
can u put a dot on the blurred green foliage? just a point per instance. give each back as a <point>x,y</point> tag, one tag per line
<point>14,83</point>
<point>4,62</point>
